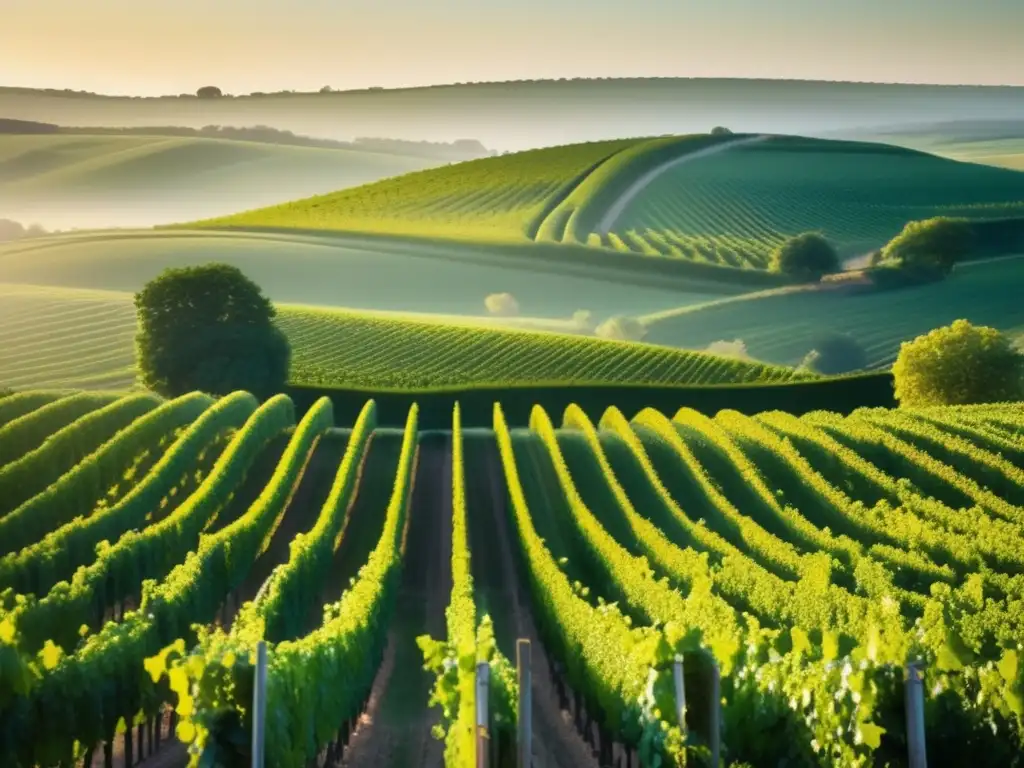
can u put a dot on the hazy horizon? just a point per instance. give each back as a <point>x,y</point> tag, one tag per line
<point>112,47</point>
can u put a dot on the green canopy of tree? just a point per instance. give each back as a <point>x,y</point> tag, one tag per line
<point>959,364</point>
<point>209,328</point>
<point>931,244</point>
<point>806,256</point>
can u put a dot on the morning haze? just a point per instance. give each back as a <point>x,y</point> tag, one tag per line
<point>170,46</point>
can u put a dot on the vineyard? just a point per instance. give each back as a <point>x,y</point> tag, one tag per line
<point>734,207</point>
<point>85,339</point>
<point>504,198</point>
<point>150,547</point>
<point>783,327</point>
<point>644,197</point>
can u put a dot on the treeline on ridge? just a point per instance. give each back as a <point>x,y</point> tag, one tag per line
<point>460,149</point>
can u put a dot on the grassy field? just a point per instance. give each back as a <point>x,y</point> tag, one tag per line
<point>80,338</point>
<point>991,142</point>
<point>357,273</point>
<point>800,562</point>
<point>67,181</point>
<point>733,207</point>
<point>783,326</point>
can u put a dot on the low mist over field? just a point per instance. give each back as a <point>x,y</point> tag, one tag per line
<point>520,115</point>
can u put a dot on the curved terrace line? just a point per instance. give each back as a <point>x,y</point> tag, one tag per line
<point>608,220</point>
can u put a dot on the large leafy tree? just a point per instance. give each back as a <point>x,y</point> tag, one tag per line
<point>930,245</point>
<point>959,364</point>
<point>806,256</point>
<point>209,328</point>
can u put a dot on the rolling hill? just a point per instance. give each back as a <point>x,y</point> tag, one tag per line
<point>78,338</point>
<point>718,202</point>
<point>363,273</point>
<point>67,181</point>
<point>782,326</point>
<point>525,114</point>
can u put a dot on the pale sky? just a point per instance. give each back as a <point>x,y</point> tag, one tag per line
<point>149,47</point>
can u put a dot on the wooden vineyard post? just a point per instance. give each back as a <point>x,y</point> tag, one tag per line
<point>259,704</point>
<point>914,695</point>
<point>483,685</point>
<point>524,729</point>
<point>677,679</point>
<point>716,713</point>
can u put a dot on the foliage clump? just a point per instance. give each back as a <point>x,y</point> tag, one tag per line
<point>807,257</point>
<point>929,246</point>
<point>209,328</point>
<point>502,304</point>
<point>736,349</point>
<point>959,364</point>
<point>835,354</point>
<point>621,328</point>
<point>13,230</point>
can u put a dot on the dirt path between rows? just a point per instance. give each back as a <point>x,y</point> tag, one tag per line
<point>556,742</point>
<point>608,220</point>
<point>395,730</point>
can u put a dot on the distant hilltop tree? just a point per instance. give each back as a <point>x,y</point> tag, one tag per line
<point>209,328</point>
<point>720,130</point>
<point>209,92</point>
<point>807,256</point>
<point>13,230</point>
<point>327,89</point>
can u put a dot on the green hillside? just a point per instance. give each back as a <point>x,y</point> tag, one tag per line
<point>74,338</point>
<point>734,206</point>
<point>504,199</point>
<point>783,326</point>
<point>361,273</point>
<point>67,181</point>
<point>711,201</point>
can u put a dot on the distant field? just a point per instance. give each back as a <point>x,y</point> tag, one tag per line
<point>84,339</point>
<point>525,114</point>
<point>733,207</point>
<point>783,326</point>
<point>65,181</point>
<point>991,142</point>
<point>361,274</point>
<point>710,201</point>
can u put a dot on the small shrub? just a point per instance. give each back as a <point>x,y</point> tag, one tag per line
<point>621,328</point>
<point>807,256</point>
<point>502,304</point>
<point>836,354</point>
<point>720,130</point>
<point>959,364</point>
<point>583,319</point>
<point>735,349</point>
